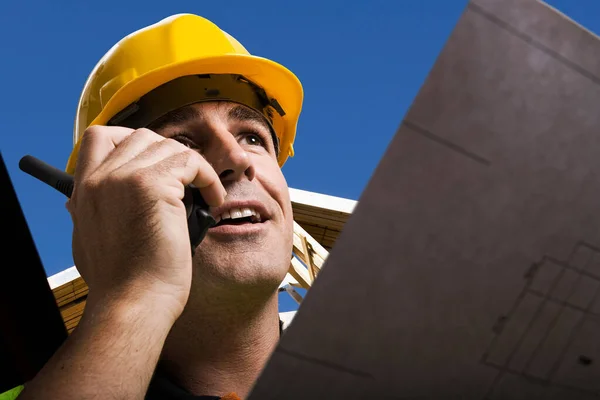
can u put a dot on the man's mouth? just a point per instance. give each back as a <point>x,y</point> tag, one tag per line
<point>238,216</point>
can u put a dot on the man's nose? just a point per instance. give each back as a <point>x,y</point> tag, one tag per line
<point>230,160</point>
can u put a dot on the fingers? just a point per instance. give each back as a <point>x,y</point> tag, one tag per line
<point>127,152</point>
<point>190,167</point>
<point>170,160</point>
<point>137,142</point>
<point>96,144</point>
<point>153,153</point>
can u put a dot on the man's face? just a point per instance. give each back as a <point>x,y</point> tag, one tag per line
<point>254,250</point>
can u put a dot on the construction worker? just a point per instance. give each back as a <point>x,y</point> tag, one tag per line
<point>177,103</point>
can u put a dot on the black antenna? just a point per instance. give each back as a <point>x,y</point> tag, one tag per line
<point>46,173</point>
<point>198,218</point>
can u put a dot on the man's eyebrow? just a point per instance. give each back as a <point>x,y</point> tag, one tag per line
<point>189,113</point>
<point>179,116</point>
<point>241,113</point>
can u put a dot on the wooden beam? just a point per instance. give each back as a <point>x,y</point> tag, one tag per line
<point>317,247</point>
<point>300,273</point>
<point>293,293</point>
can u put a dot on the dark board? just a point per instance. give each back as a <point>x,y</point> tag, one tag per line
<point>31,326</point>
<point>470,268</point>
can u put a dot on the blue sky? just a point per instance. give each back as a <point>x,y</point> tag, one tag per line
<point>361,64</point>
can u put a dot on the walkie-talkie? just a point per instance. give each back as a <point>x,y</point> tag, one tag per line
<point>198,218</point>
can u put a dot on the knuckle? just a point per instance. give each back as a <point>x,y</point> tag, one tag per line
<point>144,133</point>
<point>91,133</point>
<point>193,159</point>
<point>175,144</point>
<point>182,153</point>
<point>194,156</point>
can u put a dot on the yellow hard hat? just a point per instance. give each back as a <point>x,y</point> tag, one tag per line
<point>179,46</point>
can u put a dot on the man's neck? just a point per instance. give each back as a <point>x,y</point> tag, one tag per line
<point>219,346</point>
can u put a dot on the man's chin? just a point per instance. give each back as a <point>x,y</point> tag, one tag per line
<point>239,270</point>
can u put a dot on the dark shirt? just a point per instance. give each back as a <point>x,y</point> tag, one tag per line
<point>161,388</point>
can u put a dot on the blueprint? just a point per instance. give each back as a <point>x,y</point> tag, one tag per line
<point>470,268</point>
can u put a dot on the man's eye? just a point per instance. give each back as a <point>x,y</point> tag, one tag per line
<point>254,139</point>
<point>186,141</point>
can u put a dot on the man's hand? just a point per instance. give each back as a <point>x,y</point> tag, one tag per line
<point>132,248</point>
<point>130,227</point>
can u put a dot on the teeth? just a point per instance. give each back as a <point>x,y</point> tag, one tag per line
<point>235,213</point>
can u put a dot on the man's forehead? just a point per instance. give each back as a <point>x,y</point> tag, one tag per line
<point>200,112</point>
